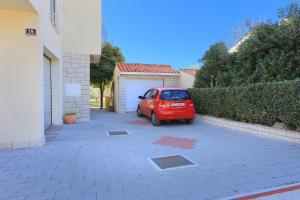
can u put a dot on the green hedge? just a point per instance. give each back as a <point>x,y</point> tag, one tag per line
<point>263,103</point>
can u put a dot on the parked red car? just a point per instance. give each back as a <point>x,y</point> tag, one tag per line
<point>161,104</point>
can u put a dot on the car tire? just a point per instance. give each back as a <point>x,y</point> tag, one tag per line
<point>139,112</point>
<point>189,121</point>
<point>155,120</point>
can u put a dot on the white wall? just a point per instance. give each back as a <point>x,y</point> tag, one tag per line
<point>116,88</point>
<point>186,80</point>
<point>21,110</point>
<point>50,38</point>
<point>121,86</point>
<point>21,73</point>
<point>21,62</point>
<point>82,31</point>
<point>51,45</point>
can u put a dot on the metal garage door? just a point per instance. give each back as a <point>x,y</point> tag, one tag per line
<point>138,87</point>
<point>47,93</point>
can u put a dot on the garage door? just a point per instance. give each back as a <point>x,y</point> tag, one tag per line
<point>47,94</point>
<point>138,87</point>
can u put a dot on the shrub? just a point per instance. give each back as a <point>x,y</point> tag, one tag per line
<point>263,103</point>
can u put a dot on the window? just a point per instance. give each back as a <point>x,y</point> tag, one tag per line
<point>147,95</point>
<point>153,94</point>
<point>55,15</point>
<point>175,95</point>
<point>53,11</point>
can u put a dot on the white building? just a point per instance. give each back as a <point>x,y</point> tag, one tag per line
<point>187,78</point>
<point>45,53</point>
<point>236,47</point>
<point>132,80</point>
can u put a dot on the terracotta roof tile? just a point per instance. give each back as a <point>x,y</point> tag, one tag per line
<point>146,68</point>
<point>190,71</point>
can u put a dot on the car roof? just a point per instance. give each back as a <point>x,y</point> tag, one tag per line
<point>164,89</point>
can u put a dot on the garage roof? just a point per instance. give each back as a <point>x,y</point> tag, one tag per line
<point>146,68</point>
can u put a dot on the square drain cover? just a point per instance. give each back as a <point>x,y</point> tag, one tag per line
<point>116,133</point>
<point>171,162</point>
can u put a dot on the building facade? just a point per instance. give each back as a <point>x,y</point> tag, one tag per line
<point>45,54</point>
<point>187,78</point>
<point>132,80</point>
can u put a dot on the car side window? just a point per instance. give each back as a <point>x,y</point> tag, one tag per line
<point>153,94</point>
<point>147,94</point>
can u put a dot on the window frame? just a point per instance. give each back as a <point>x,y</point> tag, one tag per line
<point>55,15</point>
<point>151,94</point>
<point>144,97</point>
<point>53,12</point>
<point>188,95</point>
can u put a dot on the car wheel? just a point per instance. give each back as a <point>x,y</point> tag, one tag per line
<point>139,112</point>
<point>189,121</point>
<point>155,121</point>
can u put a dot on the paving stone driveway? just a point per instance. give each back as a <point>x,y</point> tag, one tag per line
<point>84,163</point>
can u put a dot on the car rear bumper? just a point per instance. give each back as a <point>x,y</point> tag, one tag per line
<point>175,115</point>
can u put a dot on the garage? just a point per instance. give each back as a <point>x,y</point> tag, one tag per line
<point>47,93</point>
<point>133,80</point>
<point>138,87</point>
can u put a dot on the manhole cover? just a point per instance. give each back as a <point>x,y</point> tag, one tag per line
<point>171,162</point>
<point>117,133</point>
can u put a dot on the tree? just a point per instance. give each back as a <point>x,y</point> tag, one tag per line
<point>102,72</point>
<point>271,52</point>
<point>202,80</point>
<point>241,31</point>
<point>215,61</point>
<point>290,11</point>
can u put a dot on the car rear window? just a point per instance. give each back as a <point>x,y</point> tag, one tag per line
<point>175,95</point>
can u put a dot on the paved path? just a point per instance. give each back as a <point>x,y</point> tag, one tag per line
<point>84,163</point>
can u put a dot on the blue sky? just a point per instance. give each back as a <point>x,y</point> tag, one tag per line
<point>178,32</point>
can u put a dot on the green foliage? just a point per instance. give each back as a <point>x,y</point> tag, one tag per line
<point>263,103</point>
<point>215,60</point>
<point>202,79</point>
<point>271,52</point>
<point>291,11</point>
<point>101,73</point>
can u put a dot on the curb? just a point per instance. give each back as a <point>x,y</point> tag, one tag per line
<point>281,134</point>
<point>264,192</point>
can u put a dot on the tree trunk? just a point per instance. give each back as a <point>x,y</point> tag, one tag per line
<point>101,86</point>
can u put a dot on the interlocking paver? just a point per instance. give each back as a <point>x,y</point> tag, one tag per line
<point>16,198</point>
<point>84,163</point>
<point>111,194</point>
<point>153,196</point>
<point>6,195</point>
<point>41,196</point>
<point>91,196</point>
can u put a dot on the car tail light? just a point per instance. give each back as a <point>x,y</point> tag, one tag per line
<point>162,104</point>
<point>191,104</point>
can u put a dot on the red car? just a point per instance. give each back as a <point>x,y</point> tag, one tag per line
<point>161,104</point>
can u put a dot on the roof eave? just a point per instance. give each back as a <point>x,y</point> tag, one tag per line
<point>149,73</point>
